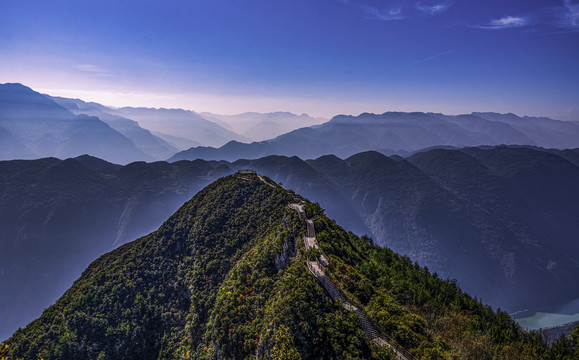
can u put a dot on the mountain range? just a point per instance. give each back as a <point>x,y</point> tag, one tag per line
<point>149,143</point>
<point>33,125</point>
<point>501,220</point>
<point>167,130</point>
<point>448,195</point>
<point>178,123</point>
<point>508,213</point>
<point>258,127</point>
<point>399,133</point>
<point>247,269</point>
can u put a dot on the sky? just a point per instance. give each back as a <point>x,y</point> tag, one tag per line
<point>322,57</point>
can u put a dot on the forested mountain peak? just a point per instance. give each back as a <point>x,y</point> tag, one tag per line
<point>230,276</point>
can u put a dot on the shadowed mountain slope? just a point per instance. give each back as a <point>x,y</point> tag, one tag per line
<point>181,124</point>
<point>150,144</point>
<point>518,202</point>
<point>226,277</point>
<point>58,215</point>
<point>35,126</point>
<point>500,220</point>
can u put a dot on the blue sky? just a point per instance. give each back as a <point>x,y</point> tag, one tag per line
<point>323,57</point>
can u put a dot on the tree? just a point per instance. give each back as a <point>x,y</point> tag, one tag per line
<point>314,209</point>
<point>284,348</point>
<point>313,254</point>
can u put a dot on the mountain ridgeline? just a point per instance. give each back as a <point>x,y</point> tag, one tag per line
<point>57,216</point>
<point>502,220</point>
<point>399,133</point>
<point>226,277</point>
<point>33,126</point>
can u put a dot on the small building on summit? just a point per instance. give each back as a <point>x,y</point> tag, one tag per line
<point>246,172</point>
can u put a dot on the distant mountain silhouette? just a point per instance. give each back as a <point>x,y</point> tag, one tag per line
<point>179,129</point>
<point>257,126</point>
<point>543,131</point>
<point>180,124</point>
<point>177,141</point>
<point>157,134</point>
<point>32,126</point>
<point>150,144</point>
<point>399,133</point>
<point>12,148</point>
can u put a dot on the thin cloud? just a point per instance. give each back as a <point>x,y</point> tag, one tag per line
<point>383,14</point>
<point>506,22</point>
<point>94,70</point>
<point>434,9</point>
<point>397,12</point>
<point>570,15</point>
<point>372,12</point>
<point>563,16</point>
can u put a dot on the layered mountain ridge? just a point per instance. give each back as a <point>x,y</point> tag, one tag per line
<point>504,212</point>
<point>33,126</point>
<point>226,277</point>
<point>258,127</point>
<point>149,143</point>
<point>399,133</point>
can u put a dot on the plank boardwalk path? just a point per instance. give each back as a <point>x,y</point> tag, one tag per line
<point>316,268</point>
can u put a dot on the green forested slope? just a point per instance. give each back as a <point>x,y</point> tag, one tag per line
<point>225,277</point>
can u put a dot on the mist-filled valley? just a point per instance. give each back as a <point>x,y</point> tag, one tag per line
<point>289,180</point>
<point>80,179</point>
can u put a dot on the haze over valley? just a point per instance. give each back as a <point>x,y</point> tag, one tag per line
<point>333,179</point>
<point>458,209</point>
<point>36,125</point>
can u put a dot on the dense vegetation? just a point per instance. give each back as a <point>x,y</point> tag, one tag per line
<point>225,277</point>
<point>422,312</point>
<point>57,216</point>
<point>509,213</point>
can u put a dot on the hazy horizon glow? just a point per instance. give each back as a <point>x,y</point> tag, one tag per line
<point>323,58</point>
<point>324,108</point>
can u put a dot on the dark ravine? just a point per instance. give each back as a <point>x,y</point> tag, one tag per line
<point>208,284</point>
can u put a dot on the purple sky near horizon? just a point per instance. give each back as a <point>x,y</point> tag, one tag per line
<point>322,57</point>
